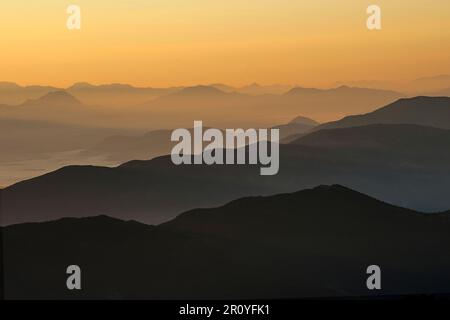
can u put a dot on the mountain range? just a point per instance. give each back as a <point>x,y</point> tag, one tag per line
<point>404,164</point>
<point>118,105</point>
<point>312,243</point>
<point>211,104</point>
<point>423,111</point>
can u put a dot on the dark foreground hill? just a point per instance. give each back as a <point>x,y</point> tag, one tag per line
<point>312,243</point>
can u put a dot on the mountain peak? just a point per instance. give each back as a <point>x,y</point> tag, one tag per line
<point>304,120</point>
<point>302,90</point>
<point>6,86</point>
<point>200,90</point>
<point>81,85</point>
<point>58,98</point>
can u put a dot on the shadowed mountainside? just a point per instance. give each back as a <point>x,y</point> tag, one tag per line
<point>424,111</point>
<point>312,243</point>
<point>403,164</point>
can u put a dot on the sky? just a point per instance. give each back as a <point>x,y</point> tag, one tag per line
<point>188,42</point>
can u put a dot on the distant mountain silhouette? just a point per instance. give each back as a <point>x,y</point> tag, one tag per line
<point>54,99</point>
<point>370,84</point>
<point>122,105</point>
<point>198,91</point>
<point>342,91</point>
<point>405,165</point>
<point>426,111</point>
<point>225,108</point>
<point>13,94</point>
<point>297,126</point>
<point>311,243</point>
<point>224,87</point>
<point>116,94</point>
<point>207,96</point>
<point>257,89</point>
<point>304,120</point>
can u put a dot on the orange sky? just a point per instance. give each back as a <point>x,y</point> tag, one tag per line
<point>185,42</point>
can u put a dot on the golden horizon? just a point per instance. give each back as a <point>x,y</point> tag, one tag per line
<point>179,43</point>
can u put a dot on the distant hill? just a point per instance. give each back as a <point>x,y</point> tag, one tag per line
<point>230,108</point>
<point>197,96</point>
<point>60,99</point>
<point>257,89</point>
<point>297,126</point>
<point>404,165</point>
<point>13,94</point>
<point>116,94</point>
<point>218,105</point>
<point>304,120</point>
<point>311,243</point>
<point>342,90</point>
<point>425,111</point>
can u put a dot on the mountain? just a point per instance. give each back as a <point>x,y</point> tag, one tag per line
<point>370,84</point>
<point>198,91</point>
<point>13,94</point>
<point>56,106</point>
<point>116,94</point>
<point>218,108</point>
<point>224,87</point>
<point>255,106</point>
<point>54,99</point>
<point>404,165</point>
<point>304,120</point>
<point>299,125</point>
<point>425,111</point>
<point>256,89</point>
<point>312,243</point>
<point>343,90</point>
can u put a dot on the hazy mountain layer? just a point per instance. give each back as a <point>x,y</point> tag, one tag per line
<point>403,164</point>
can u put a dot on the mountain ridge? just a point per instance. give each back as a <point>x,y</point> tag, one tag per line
<point>321,247</point>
